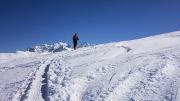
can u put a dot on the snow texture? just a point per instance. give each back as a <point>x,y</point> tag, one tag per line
<point>146,69</point>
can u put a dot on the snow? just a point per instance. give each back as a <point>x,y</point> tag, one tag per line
<point>144,69</point>
<point>56,47</point>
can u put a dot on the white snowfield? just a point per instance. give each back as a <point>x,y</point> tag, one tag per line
<point>146,69</point>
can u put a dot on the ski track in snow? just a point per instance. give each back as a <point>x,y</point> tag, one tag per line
<point>110,72</point>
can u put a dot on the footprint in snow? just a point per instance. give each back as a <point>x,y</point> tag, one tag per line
<point>90,76</point>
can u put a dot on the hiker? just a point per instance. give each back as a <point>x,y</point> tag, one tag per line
<point>75,39</point>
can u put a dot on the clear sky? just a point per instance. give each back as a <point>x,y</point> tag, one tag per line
<point>25,23</point>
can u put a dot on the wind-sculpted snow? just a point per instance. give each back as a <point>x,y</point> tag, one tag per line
<point>146,69</point>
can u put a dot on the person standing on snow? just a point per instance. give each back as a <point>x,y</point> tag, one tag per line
<point>75,40</point>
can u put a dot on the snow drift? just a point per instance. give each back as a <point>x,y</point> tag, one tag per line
<point>146,69</point>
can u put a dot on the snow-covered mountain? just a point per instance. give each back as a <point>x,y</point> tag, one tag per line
<point>56,47</point>
<point>146,69</point>
<point>85,44</point>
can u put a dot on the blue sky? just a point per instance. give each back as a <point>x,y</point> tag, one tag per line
<point>25,23</point>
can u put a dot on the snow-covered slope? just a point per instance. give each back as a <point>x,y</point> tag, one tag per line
<point>146,69</point>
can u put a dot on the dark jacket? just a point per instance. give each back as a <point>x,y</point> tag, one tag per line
<point>75,38</point>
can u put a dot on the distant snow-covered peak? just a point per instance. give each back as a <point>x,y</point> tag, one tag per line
<point>85,44</point>
<point>56,47</point>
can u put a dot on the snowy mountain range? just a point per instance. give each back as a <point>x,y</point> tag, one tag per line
<point>56,47</point>
<point>146,69</point>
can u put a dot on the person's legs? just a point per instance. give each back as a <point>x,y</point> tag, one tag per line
<point>75,45</point>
